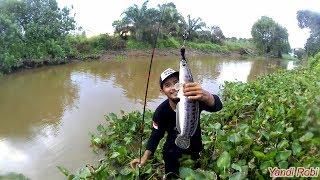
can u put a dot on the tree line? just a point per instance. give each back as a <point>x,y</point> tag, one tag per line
<point>32,30</point>
<point>141,23</point>
<point>39,32</point>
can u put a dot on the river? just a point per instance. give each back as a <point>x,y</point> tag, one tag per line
<point>47,113</point>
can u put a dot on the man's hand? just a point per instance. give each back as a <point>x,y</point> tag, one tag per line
<point>194,91</point>
<point>144,158</point>
<point>136,162</point>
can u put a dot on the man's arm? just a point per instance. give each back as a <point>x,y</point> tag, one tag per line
<point>216,106</point>
<point>156,135</point>
<point>208,98</point>
<point>143,160</point>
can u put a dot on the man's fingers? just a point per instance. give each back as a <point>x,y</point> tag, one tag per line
<point>134,166</point>
<point>134,163</point>
<point>192,93</point>
<point>193,88</point>
<point>191,84</point>
<point>194,97</point>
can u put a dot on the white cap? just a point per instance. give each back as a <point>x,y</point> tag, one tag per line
<point>166,74</point>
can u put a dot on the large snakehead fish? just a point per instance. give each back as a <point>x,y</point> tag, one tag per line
<point>187,111</point>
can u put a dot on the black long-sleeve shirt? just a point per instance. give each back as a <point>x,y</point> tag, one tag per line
<point>164,120</point>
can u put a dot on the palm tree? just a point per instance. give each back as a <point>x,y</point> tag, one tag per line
<point>173,21</point>
<point>194,25</point>
<point>140,20</point>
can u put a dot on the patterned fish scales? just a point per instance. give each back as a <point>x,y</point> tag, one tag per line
<point>187,110</point>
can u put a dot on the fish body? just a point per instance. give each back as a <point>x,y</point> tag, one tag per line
<point>187,111</point>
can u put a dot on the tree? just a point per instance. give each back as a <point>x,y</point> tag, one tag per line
<point>11,44</point>
<point>216,35</point>
<point>270,37</point>
<point>311,20</point>
<point>299,53</point>
<point>32,29</point>
<point>193,26</point>
<point>46,27</point>
<point>172,21</point>
<point>213,34</point>
<point>280,42</point>
<point>140,22</point>
<point>122,28</point>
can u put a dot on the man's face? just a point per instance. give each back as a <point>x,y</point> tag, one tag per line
<point>168,88</point>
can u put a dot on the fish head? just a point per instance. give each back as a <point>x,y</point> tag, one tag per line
<point>183,62</point>
<point>185,75</point>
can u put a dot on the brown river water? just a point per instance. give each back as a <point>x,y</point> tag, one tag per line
<point>46,114</point>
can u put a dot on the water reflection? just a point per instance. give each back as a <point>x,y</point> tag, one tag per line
<point>10,154</point>
<point>34,98</point>
<point>230,71</point>
<point>131,75</point>
<point>291,65</point>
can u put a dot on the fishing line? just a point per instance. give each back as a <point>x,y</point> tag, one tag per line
<point>146,92</point>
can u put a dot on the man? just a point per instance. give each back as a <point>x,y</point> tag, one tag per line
<point>164,120</point>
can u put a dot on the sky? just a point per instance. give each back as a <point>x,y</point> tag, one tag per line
<point>234,17</point>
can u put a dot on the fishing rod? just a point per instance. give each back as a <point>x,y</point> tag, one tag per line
<point>146,92</point>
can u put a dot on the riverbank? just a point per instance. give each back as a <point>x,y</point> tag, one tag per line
<point>120,54</point>
<point>165,52</point>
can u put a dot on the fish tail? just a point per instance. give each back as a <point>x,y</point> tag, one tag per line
<point>182,142</point>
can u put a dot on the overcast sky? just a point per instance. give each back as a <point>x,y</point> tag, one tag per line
<point>234,17</point>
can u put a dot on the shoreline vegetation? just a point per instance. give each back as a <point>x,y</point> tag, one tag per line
<point>105,47</point>
<point>37,33</point>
